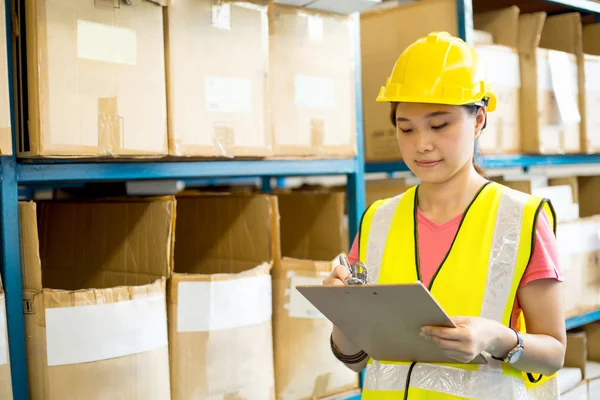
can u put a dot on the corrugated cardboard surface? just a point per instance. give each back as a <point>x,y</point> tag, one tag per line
<point>86,254</point>
<point>5,131</point>
<point>540,116</point>
<point>223,239</point>
<point>312,225</point>
<point>96,78</point>
<point>5,377</point>
<point>298,326</point>
<point>217,58</point>
<point>312,103</point>
<point>311,229</point>
<point>501,60</point>
<point>384,189</point>
<point>399,27</point>
<point>591,87</point>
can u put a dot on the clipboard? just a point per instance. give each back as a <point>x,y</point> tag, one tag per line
<point>385,320</point>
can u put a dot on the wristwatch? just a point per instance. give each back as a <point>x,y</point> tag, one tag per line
<point>516,353</point>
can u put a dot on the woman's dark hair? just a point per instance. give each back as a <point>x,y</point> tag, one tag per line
<point>472,109</point>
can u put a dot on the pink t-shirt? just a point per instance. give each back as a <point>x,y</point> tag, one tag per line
<point>435,241</point>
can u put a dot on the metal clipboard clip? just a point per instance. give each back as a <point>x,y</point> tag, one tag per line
<point>357,271</point>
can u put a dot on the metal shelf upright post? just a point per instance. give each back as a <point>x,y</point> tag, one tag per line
<point>52,172</point>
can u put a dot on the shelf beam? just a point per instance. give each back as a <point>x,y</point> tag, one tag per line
<point>579,5</point>
<point>508,161</point>
<point>583,319</point>
<point>45,172</point>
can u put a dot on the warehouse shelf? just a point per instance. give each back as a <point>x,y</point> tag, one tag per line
<point>502,161</point>
<point>44,172</point>
<point>583,319</point>
<point>579,5</point>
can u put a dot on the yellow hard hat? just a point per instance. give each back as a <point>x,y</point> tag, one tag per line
<point>440,69</point>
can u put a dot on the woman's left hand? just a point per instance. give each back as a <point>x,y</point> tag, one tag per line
<point>471,337</point>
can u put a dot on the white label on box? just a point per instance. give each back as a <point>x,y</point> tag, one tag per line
<point>314,92</point>
<point>501,65</point>
<point>228,94</point>
<point>592,73</point>
<point>299,306</point>
<point>80,334</point>
<point>3,336</point>
<point>219,305</point>
<point>563,71</point>
<point>106,43</point>
<point>221,16</point>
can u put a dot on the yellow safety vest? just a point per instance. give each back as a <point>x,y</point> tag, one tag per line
<point>479,276</point>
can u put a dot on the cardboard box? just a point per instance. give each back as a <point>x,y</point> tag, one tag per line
<point>311,236</point>
<point>217,67</point>
<point>5,377</point>
<point>312,102</point>
<point>549,50</point>
<point>578,393</point>
<point>95,79</point>
<point>220,302</point>
<point>400,26</point>
<point>384,189</point>
<point>589,188</point>
<point>591,87</point>
<point>94,278</point>
<point>501,61</point>
<point>5,124</point>
<point>579,255</point>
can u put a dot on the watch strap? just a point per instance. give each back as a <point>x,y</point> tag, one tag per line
<point>518,347</point>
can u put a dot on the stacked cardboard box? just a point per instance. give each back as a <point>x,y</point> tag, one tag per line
<point>94,279</point>
<point>501,61</point>
<point>220,301</point>
<point>591,88</point>
<point>312,102</point>
<point>5,377</point>
<point>580,377</point>
<point>5,130</point>
<point>217,65</point>
<point>549,49</point>
<point>312,234</point>
<point>95,78</point>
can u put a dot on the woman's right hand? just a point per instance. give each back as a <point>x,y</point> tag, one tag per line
<point>337,277</point>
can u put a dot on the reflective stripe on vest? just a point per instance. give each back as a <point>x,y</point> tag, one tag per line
<point>494,380</point>
<point>492,385</point>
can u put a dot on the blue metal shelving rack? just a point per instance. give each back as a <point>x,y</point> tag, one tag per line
<point>14,173</point>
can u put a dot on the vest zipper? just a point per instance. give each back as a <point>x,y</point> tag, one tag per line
<point>407,385</point>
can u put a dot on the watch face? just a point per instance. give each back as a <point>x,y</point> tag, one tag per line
<point>516,356</point>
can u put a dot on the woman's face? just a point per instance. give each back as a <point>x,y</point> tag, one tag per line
<point>436,141</point>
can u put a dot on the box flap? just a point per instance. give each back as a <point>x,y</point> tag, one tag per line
<point>105,244</point>
<point>576,355</point>
<point>563,32</point>
<point>312,225</point>
<point>30,254</point>
<point>502,24</point>
<point>591,39</point>
<point>225,234</point>
<point>530,31</point>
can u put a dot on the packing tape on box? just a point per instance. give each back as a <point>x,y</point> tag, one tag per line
<point>317,133</point>
<point>321,385</point>
<point>3,336</point>
<point>299,306</point>
<point>205,306</point>
<point>109,126</point>
<point>80,334</point>
<point>223,139</point>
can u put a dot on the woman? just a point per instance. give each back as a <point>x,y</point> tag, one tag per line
<point>487,253</point>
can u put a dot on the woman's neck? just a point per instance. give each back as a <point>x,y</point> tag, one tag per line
<point>440,202</point>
